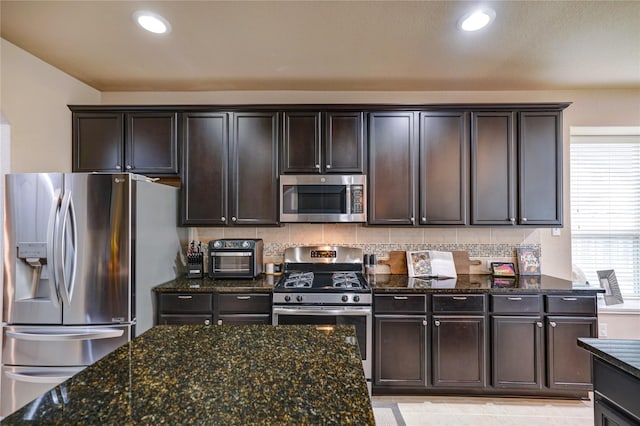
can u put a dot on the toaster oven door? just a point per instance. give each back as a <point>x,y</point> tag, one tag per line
<point>231,264</point>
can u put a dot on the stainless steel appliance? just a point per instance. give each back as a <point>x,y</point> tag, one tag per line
<point>323,198</point>
<point>325,286</point>
<point>82,252</point>
<point>232,258</point>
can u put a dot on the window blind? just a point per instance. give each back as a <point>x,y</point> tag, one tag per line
<point>605,206</point>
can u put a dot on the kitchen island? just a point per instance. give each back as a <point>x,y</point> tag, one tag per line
<point>217,375</point>
<point>616,380</point>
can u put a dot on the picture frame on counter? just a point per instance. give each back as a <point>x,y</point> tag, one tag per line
<point>528,260</point>
<point>503,269</point>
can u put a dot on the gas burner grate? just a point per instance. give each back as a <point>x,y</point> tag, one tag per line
<point>345,280</point>
<point>299,280</point>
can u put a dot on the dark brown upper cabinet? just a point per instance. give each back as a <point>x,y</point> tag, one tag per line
<point>392,164</point>
<point>540,168</point>
<point>516,176</point>
<point>323,142</point>
<point>230,174</point>
<point>443,167</point>
<point>139,142</point>
<point>205,144</point>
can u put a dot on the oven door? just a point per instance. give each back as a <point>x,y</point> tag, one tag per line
<point>358,316</point>
<point>231,264</point>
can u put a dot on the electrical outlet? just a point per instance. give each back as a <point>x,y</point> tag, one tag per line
<point>555,232</point>
<point>602,330</point>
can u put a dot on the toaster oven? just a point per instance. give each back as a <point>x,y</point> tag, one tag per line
<point>234,258</point>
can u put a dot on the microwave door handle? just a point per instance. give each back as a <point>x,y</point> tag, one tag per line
<point>348,195</point>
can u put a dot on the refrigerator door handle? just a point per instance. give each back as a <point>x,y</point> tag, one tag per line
<point>64,248</point>
<point>51,258</point>
<point>66,335</point>
<point>46,376</point>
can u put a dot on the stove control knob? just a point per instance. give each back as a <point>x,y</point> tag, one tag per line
<point>217,244</point>
<point>287,298</point>
<point>345,298</point>
<point>299,298</point>
<point>246,244</point>
<point>356,298</point>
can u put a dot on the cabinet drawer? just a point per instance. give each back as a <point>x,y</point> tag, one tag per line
<point>458,303</point>
<point>503,304</point>
<point>244,319</point>
<point>400,303</point>
<point>178,303</point>
<point>244,303</point>
<point>172,319</point>
<point>571,305</point>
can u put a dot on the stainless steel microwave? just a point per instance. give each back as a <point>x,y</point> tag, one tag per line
<point>323,198</point>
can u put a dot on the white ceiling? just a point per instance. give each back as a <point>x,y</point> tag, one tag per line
<point>333,45</point>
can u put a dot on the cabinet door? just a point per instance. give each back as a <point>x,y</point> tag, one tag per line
<point>517,357</point>
<point>492,169</point>
<point>458,351</point>
<point>443,164</point>
<point>205,138</point>
<point>400,350</point>
<point>97,142</point>
<point>344,142</point>
<point>540,168</point>
<point>152,143</point>
<point>569,366</point>
<point>254,169</point>
<point>301,142</point>
<point>392,156</point>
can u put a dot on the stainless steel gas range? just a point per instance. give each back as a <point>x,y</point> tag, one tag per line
<point>325,286</point>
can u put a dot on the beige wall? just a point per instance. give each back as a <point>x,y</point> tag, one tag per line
<point>33,98</point>
<point>35,95</point>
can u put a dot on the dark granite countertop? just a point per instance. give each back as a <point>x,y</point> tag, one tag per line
<point>261,284</point>
<point>384,283</point>
<point>477,284</point>
<point>223,375</point>
<point>621,353</point>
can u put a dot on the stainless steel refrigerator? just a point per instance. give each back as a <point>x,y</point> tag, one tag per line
<point>82,252</point>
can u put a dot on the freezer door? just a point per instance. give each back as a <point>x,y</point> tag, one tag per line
<point>21,385</point>
<point>95,246</point>
<point>60,346</point>
<point>32,203</point>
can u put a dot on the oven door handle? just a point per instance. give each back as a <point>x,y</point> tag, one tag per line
<point>304,311</point>
<point>231,253</point>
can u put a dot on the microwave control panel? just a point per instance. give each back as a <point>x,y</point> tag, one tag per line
<point>357,199</point>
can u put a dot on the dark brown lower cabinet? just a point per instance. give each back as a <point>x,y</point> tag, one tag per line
<point>243,309</point>
<point>568,365</point>
<point>400,350</point>
<point>185,308</point>
<point>459,351</point>
<point>517,358</point>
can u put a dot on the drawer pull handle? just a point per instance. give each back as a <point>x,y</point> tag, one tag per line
<point>400,298</point>
<point>243,297</point>
<point>553,324</point>
<point>539,324</point>
<point>459,297</point>
<point>437,323</point>
<point>516,299</point>
<point>185,297</point>
<point>570,299</point>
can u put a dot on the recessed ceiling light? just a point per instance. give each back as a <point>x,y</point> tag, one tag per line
<point>152,22</point>
<point>477,19</point>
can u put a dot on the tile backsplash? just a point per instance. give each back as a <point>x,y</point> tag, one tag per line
<point>486,244</point>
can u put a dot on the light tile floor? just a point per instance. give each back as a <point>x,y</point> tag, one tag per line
<point>437,410</point>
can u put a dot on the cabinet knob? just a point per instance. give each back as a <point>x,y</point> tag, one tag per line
<point>413,220</point>
<point>223,218</point>
<point>512,219</point>
<point>207,322</point>
<point>219,322</point>
<point>424,219</point>
<point>233,218</point>
<point>524,219</point>
<point>128,166</point>
<point>539,324</point>
<point>328,166</point>
<point>437,323</point>
<point>552,324</point>
<point>118,167</point>
<point>317,166</point>
<point>424,322</point>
